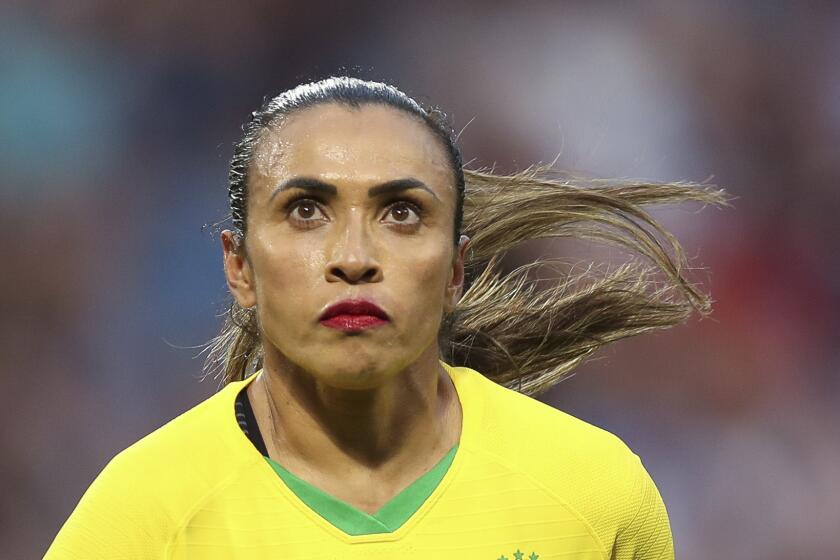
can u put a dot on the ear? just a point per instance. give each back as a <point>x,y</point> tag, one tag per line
<point>238,271</point>
<point>455,287</point>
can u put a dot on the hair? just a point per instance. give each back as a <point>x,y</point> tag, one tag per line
<point>522,337</point>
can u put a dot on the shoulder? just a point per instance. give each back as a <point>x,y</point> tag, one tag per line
<point>592,470</point>
<point>517,425</point>
<point>196,444</point>
<point>191,453</point>
<point>146,491</point>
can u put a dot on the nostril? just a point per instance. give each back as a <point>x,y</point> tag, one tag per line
<point>353,273</point>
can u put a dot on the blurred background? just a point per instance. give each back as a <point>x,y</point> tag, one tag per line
<point>117,122</point>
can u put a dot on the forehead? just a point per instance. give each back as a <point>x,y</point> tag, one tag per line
<point>335,142</point>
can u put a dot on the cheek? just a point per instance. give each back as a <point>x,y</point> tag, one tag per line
<point>422,279</point>
<point>287,276</point>
<point>282,262</point>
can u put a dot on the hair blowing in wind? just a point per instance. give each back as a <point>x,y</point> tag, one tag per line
<point>511,327</point>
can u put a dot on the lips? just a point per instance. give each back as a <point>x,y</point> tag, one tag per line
<point>354,307</point>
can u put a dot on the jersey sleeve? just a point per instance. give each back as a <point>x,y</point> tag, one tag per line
<point>647,534</point>
<point>119,517</point>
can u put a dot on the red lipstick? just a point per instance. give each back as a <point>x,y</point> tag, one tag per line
<point>353,315</point>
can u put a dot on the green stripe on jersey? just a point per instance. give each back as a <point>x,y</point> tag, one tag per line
<point>354,521</point>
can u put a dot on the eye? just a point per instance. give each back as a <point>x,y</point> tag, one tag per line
<point>402,211</point>
<point>306,208</point>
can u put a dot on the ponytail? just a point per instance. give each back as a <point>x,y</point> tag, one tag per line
<point>526,338</point>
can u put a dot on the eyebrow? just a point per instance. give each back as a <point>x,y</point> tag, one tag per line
<point>315,185</point>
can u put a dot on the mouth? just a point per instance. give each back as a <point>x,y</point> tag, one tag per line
<point>353,315</point>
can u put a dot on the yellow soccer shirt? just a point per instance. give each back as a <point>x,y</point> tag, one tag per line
<point>525,482</point>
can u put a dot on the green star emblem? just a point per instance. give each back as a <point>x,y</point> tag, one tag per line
<point>518,554</point>
<point>534,556</point>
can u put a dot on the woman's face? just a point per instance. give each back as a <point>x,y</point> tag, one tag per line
<point>310,248</point>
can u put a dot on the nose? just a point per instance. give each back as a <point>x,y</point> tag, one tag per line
<point>353,257</point>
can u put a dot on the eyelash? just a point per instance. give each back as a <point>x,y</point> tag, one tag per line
<point>413,205</point>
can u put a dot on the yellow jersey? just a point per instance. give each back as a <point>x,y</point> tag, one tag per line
<point>525,481</point>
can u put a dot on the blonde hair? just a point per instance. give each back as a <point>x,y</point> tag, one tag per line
<point>526,338</point>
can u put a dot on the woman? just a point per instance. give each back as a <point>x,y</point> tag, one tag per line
<point>344,429</point>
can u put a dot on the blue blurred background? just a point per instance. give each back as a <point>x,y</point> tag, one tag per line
<point>117,122</point>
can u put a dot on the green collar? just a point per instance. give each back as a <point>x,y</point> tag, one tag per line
<point>356,522</point>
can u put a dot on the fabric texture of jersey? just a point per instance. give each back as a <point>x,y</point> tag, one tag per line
<point>527,481</point>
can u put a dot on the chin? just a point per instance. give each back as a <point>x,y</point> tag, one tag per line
<point>355,378</point>
<point>349,369</point>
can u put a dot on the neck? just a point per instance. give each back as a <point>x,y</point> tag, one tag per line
<point>396,427</point>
